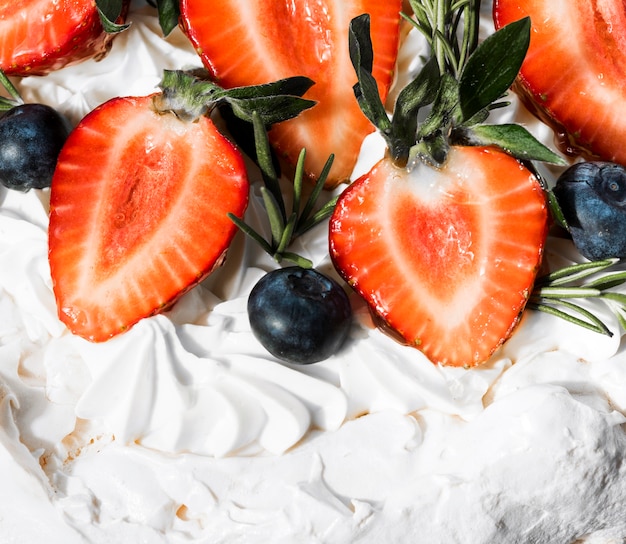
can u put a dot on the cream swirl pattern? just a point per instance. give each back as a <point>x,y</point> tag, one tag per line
<point>185,430</point>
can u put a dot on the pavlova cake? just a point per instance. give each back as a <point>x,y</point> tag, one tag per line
<point>184,428</point>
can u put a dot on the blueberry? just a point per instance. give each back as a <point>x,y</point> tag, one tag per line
<point>592,197</point>
<point>299,315</point>
<point>31,137</point>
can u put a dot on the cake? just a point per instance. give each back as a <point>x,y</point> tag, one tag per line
<point>184,429</point>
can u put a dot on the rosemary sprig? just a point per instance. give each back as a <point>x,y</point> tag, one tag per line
<point>555,293</point>
<point>14,98</point>
<point>438,21</point>
<point>285,228</point>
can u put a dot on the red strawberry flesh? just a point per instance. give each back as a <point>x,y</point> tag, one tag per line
<point>574,72</point>
<point>38,36</point>
<point>258,41</point>
<point>139,205</point>
<point>447,258</point>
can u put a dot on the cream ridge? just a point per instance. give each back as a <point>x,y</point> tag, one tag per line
<point>184,429</point>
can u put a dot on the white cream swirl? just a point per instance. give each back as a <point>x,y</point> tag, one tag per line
<point>185,429</point>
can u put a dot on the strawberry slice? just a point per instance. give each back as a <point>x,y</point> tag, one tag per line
<point>443,238</point>
<point>138,213</point>
<point>445,257</point>
<point>573,75</point>
<point>142,195</point>
<point>38,36</point>
<point>259,41</point>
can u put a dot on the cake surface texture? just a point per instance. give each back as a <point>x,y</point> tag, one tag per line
<point>185,430</point>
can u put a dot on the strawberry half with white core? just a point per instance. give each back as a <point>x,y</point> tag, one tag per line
<point>573,75</point>
<point>140,199</point>
<point>39,36</point>
<point>255,41</point>
<point>444,236</point>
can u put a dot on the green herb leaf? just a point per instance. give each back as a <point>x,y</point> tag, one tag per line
<point>271,109</point>
<point>586,319</point>
<point>285,229</point>
<point>366,90</point>
<point>294,86</point>
<point>109,11</point>
<point>574,273</point>
<point>492,68</point>
<point>169,13</point>
<point>14,96</point>
<point>418,93</point>
<point>555,293</point>
<point>440,116</point>
<point>514,139</point>
<point>555,210</point>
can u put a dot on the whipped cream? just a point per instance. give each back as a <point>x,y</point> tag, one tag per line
<point>184,429</point>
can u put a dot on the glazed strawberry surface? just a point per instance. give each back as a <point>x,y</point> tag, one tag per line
<point>446,257</point>
<point>138,213</point>
<point>574,71</point>
<point>37,36</point>
<point>281,39</point>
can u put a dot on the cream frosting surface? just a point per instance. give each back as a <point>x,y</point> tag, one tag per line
<point>184,429</point>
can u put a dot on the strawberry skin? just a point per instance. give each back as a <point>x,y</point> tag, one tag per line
<point>275,39</point>
<point>138,213</point>
<point>445,257</point>
<point>39,36</point>
<point>573,75</point>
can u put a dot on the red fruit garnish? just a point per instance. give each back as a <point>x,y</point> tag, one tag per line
<point>138,213</point>
<point>443,238</point>
<point>39,36</point>
<point>141,197</point>
<point>574,72</point>
<point>256,41</point>
<point>445,257</point>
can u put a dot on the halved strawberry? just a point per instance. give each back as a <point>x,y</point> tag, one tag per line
<point>138,213</point>
<point>256,41</point>
<point>446,257</point>
<point>443,238</point>
<point>140,199</point>
<point>38,36</point>
<point>574,71</point>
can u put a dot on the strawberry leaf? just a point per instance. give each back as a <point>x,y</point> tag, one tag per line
<point>514,139</point>
<point>110,11</point>
<point>493,67</point>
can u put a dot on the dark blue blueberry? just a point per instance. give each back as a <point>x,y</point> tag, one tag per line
<point>592,197</point>
<point>299,315</point>
<point>31,137</point>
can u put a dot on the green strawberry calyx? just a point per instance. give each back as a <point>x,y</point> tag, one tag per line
<point>188,95</point>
